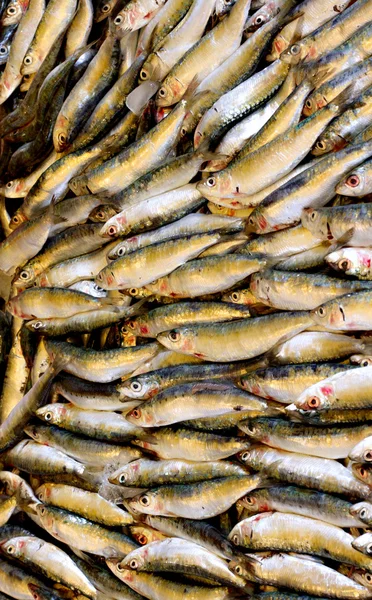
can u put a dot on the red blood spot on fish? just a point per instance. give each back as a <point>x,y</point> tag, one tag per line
<point>312,52</point>
<point>199,355</point>
<point>278,46</point>
<point>255,389</point>
<point>144,329</point>
<point>326,390</point>
<point>365,261</point>
<point>262,222</point>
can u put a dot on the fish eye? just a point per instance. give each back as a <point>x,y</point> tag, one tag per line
<point>133,291</point>
<point>42,511</point>
<point>37,324</point>
<point>363,513</point>
<point>368,455</point>
<point>313,216</point>
<point>183,131</point>
<point>131,324</point>
<point>120,567</point>
<point>144,74</point>
<point>133,564</point>
<point>365,363</point>
<point>344,264</point>
<point>145,500</point>
<point>363,472</point>
<point>105,8</point>
<point>24,275</point>
<point>249,500</point>
<point>369,549</point>
<point>353,181</point>
<point>10,183</point>
<point>122,478</point>
<point>245,456</point>
<point>142,539</point>
<point>251,429</point>
<point>40,496</point>
<point>27,60</point>
<point>3,49</point>
<point>235,540</point>
<point>112,230</point>
<point>136,413</point>
<point>368,577</point>
<point>251,220</point>
<point>314,402</point>
<point>321,311</point>
<point>238,570</point>
<point>121,251</point>
<point>100,214</point>
<point>118,20</point>
<point>162,92</point>
<point>259,20</point>
<point>11,10</point>
<point>174,336</point>
<point>235,297</point>
<point>48,416</point>
<point>295,49</point>
<point>321,145</point>
<point>62,138</point>
<point>135,386</point>
<point>10,549</point>
<point>211,181</point>
<point>308,103</point>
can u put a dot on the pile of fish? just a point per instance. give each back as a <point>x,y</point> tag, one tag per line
<point>186,284</point>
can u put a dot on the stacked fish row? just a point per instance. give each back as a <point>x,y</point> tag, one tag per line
<point>186,268</point>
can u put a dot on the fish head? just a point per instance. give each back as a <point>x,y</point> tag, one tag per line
<point>152,69</point>
<point>45,515</point>
<point>60,134</point>
<point>361,360</point>
<point>255,501</point>
<point>52,413</point>
<point>120,250</point>
<point>31,62</point>
<point>354,184</point>
<point>244,567</point>
<point>328,142</point>
<point>316,221</point>
<point>331,315</point>
<point>112,228</point>
<point>294,54</point>
<point>362,577</point>
<point>341,260</point>
<point>102,213</point>
<point>44,492</point>
<point>362,471</point>
<point>12,14</point>
<point>363,511</point>
<point>260,17</point>
<point>26,82</point>
<point>138,387</point>
<point>180,339</point>
<point>149,503</point>
<point>170,92</point>
<point>14,546</point>
<point>256,223</point>
<point>363,543</point>
<point>17,219</point>
<point>36,325</point>
<point>362,452</point>
<point>136,326</point>
<point>135,560</point>
<point>126,475</point>
<point>317,397</point>
<point>140,416</point>
<point>106,279</point>
<point>218,185</point>
<point>104,9</point>
<point>313,103</point>
<point>4,52</point>
<point>280,44</point>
